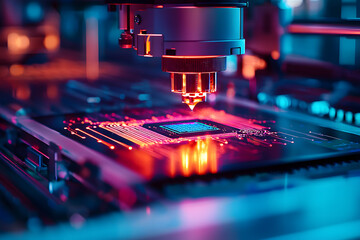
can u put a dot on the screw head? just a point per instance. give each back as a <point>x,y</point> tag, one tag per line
<point>137,19</point>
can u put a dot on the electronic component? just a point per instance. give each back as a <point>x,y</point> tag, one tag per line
<point>189,128</point>
<point>192,37</point>
<point>172,144</point>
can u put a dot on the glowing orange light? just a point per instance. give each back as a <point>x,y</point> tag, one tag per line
<point>185,162</point>
<point>112,147</point>
<point>191,101</point>
<point>148,45</point>
<point>184,83</point>
<point>97,139</point>
<point>200,158</point>
<point>16,70</point>
<point>199,82</point>
<point>23,93</point>
<point>51,42</point>
<point>17,42</point>
<point>172,81</point>
<point>113,140</point>
<point>251,64</point>
<point>275,55</point>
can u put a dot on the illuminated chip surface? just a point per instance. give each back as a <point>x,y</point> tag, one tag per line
<point>189,127</point>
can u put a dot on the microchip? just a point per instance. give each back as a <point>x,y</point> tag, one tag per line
<point>189,128</point>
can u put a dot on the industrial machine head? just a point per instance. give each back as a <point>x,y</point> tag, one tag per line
<point>193,39</point>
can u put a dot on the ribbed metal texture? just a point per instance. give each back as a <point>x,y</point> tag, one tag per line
<point>194,65</point>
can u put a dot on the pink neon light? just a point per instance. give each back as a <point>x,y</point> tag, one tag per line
<point>323,29</point>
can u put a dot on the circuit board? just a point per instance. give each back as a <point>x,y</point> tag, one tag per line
<point>166,144</point>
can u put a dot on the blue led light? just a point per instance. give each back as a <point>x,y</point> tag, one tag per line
<point>283,101</point>
<point>340,115</point>
<point>320,108</point>
<point>357,118</point>
<point>34,11</point>
<point>191,127</point>
<point>349,117</point>
<point>332,113</point>
<point>262,97</point>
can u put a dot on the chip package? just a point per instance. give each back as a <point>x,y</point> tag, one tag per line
<point>189,128</point>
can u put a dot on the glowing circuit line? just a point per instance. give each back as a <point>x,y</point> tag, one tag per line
<point>290,141</point>
<point>124,135</point>
<point>97,139</point>
<point>295,136</point>
<point>118,142</point>
<point>324,135</point>
<point>74,133</point>
<point>304,134</point>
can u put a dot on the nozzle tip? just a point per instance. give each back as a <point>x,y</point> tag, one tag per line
<point>192,106</point>
<point>192,101</point>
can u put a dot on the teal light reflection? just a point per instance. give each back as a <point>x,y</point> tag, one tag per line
<point>283,101</point>
<point>34,11</point>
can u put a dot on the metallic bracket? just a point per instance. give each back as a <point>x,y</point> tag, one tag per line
<point>150,45</point>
